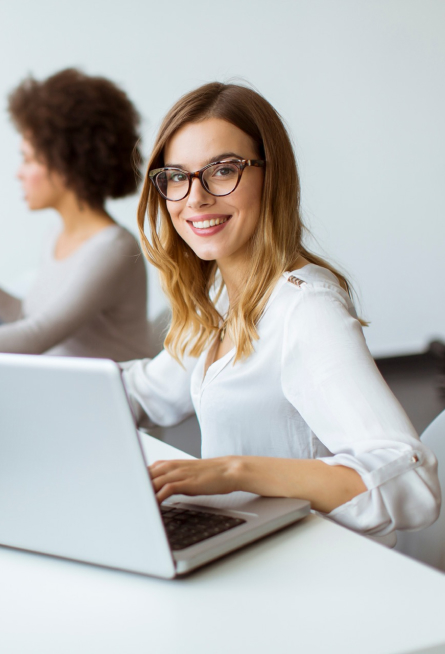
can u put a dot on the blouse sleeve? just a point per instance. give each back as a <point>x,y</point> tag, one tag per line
<point>10,307</point>
<point>159,389</point>
<point>93,287</point>
<point>328,374</point>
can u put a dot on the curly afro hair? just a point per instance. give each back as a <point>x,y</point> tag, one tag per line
<point>83,127</point>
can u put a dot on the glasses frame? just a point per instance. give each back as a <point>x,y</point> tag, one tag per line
<point>241,164</point>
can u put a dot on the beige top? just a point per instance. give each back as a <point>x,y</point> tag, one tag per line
<point>90,304</point>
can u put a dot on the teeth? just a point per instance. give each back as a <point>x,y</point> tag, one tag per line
<point>203,224</point>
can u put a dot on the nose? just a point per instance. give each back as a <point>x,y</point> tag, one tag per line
<point>19,173</point>
<point>198,196</point>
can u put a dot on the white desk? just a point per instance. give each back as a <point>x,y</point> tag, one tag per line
<point>313,588</point>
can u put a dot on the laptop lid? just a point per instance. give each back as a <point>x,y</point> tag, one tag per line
<point>73,480</point>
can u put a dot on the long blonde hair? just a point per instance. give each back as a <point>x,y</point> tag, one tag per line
<point>275,246</point>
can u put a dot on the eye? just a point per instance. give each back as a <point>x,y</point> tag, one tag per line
<point>224,170</point>
<point>177,177</point>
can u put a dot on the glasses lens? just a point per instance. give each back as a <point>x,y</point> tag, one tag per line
<point>221,178</point>
<point>172,184</point>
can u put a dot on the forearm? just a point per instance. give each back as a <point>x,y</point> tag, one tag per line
<point>10,307</point>
<point>37,333</point>
<point>325,486</point>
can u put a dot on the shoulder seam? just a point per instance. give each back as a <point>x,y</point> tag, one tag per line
<point>295,280</point>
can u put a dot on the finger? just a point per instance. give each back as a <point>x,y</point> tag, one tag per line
<point>159,482</point>
<point>175,476</point>
<point>165,492</point>
<point>156,469</point>
<point>162,467</point>
<point>159,469</point>
<point>177,488</point>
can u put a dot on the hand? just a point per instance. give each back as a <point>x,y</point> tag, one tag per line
<point>196,477</point>
<point>325,486</point>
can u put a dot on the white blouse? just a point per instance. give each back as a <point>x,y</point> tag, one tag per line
<point>309,390</point>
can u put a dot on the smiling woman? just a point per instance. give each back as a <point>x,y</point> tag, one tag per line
<point>264,342</point>
<point>215,195</point>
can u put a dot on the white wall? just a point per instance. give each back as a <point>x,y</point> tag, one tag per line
<point>359,82</point>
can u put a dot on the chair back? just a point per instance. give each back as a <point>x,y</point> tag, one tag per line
<point>428,545</point>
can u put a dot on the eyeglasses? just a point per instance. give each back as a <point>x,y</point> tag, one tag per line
<point>218,178</point>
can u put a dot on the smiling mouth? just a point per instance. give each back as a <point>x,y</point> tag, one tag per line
<point>213,222</point>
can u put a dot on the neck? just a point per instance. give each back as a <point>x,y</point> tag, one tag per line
<point>80,218</point>
<point>234,275</point>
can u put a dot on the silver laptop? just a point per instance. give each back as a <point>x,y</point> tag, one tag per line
<point>74,480</point>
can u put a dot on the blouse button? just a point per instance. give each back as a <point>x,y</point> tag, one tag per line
<point>414,458</point>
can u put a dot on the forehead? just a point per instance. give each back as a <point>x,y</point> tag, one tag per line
<point>196,144</point>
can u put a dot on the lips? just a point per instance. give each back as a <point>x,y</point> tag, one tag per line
<point>208,224</point>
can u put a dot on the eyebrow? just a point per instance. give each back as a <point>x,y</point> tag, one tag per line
<point>218,157</point>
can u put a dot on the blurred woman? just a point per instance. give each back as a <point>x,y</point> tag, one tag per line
<point>79,139</point>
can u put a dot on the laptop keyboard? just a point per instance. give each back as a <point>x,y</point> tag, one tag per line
<point>187,527</point>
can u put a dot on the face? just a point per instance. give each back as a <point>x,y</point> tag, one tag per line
<point>191,148</point>
<point>42,188</point>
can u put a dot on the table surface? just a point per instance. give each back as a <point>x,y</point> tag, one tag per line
<point>314,587</point>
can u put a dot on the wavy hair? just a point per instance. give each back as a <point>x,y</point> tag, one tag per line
<point>275,246</point>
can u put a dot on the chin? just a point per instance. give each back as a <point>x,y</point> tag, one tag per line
<point>35,206</point>
<point>207,256</point>
<point>209,251</point>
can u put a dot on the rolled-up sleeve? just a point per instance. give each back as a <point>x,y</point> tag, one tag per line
<point>159,389</point>
<point>328,374</point>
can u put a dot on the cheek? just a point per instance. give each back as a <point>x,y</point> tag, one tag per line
<point>248,196</point>
<point>174,213</point>
<point>251,204</point>
<point>257,193</point>
<point>172,210</point>
<point>35,179</point>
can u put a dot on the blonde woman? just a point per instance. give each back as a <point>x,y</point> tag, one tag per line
<point>273,359</point>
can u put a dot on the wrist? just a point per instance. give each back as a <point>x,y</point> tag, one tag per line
<point>243,473</point>
<point>235,466</point>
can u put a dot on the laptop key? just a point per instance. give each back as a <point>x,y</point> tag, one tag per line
<point>186,527</point>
